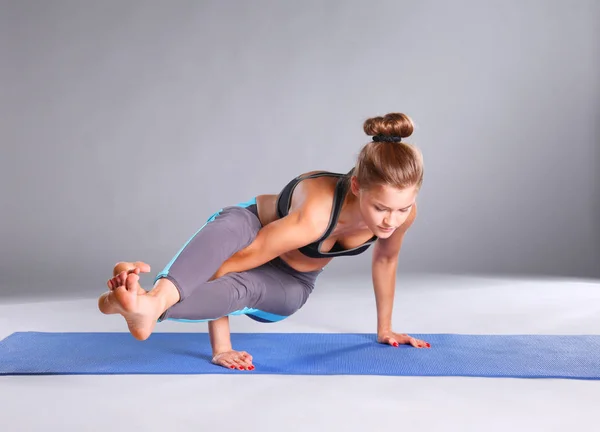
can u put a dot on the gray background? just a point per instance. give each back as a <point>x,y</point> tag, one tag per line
<point>124,125</point>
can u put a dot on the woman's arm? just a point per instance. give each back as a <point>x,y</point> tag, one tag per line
<point>220,336</point>
<point>384,285</point>
<point>384,266</point>
<point>300,227</point>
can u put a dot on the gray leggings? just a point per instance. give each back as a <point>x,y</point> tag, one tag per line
<point>267,293</point>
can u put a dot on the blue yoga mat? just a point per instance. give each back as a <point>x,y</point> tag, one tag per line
<point>517,356</point>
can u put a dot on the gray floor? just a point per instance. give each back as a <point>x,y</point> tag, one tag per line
<point>302,403</point>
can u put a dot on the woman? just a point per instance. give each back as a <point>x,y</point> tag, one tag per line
<point>261,258</point>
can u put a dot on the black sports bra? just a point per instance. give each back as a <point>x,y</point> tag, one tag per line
<point>313,250</point>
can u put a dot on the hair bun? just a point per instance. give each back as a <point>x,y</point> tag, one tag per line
<point>390,128</point>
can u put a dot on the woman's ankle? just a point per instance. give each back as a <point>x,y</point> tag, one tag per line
<point>166,293</point>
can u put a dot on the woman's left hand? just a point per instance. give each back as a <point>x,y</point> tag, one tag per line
<point>396,339</point>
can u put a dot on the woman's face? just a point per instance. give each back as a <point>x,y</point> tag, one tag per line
<point>384,208</point>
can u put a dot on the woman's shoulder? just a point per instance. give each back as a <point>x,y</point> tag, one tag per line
<point>313,195</point>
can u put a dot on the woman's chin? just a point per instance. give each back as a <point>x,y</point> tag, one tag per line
<point>384,233</point>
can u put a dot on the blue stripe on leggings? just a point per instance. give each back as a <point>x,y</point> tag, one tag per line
<point>165,271</point>
<point>210,219</point>
<point>253,313</point>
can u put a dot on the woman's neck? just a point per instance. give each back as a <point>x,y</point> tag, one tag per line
<point>350,219</point>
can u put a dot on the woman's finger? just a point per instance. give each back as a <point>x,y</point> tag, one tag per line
<point>239,363</point>
<point>401,338</point>
<point>244,363</point>
<point>422,343</point>
<point>248,361</point>
<point>226,363</point>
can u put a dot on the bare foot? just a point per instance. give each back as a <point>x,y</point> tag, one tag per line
<point>106,302</point>
<point>140,310</point>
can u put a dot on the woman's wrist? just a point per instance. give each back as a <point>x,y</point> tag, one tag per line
<point>220,337</point>
<point>384,326</point>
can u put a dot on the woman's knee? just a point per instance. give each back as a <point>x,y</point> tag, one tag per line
<point>200,259</point>
<point>240,222</point>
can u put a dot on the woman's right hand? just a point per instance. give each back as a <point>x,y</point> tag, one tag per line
<point>234,360</point>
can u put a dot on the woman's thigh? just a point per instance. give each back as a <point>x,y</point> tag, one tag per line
<point>226,232</point>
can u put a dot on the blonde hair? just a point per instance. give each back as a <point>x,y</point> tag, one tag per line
<point>386,160</point>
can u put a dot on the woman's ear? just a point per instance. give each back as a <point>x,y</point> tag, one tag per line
<point>354,186</point>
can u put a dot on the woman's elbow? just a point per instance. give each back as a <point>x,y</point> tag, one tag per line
<point>385,260</point>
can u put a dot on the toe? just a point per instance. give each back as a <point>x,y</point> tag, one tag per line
<point>142,266</point>
<point>121,267</point>
<point>131,282</point>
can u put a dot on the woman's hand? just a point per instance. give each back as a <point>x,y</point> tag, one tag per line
<point>234,360</point>
<point>396,339</point>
